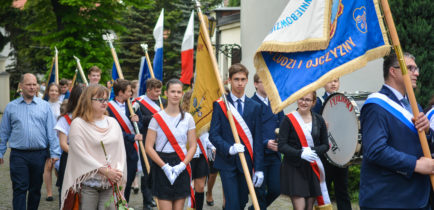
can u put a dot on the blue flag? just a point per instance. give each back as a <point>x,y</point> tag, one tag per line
<point>356,36</point>
<point>158,57</point>
<point>115,76</point>
<point>52,77</point>
<point>144,75</point>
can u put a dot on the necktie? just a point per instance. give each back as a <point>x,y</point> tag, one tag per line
<point>406,104</point>
<point>239,107</point>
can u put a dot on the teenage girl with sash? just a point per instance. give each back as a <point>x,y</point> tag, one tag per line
<point>200,162</point>
<point>62,128</point>
<point>302,137</point>
<point>170,130</point>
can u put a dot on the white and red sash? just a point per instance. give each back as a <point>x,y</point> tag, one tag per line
<point>306,140</point>
<point>148,103</point>
<point>122,119</point>
<point>202,149</point>
<point>242,128</point>
<point>167,129</point>
<point>68,119</point>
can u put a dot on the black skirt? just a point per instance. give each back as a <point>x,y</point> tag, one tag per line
<point>161,187</point>
<point>199,167</point>
<point>212,170</point>
<point>299,181</point>
<point>62,167</point>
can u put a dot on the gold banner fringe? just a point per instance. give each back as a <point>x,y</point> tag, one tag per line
<point>304,45</point>
<point>324,207</point>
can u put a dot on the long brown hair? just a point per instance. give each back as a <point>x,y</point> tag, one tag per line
<point>84,109</point>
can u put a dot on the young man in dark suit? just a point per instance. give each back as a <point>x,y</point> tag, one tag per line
<point>270,189</point>
<point>118,109</point>
<point>148,104</point>
<point>336,175</point>
<point>227,159</point>
<point>394,173</point>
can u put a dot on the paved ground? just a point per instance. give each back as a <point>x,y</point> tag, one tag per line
<point>135,199</point>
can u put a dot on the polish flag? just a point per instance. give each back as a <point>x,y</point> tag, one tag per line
<point>187,52</point>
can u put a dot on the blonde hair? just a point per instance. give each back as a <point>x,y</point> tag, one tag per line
<point>84,108</point>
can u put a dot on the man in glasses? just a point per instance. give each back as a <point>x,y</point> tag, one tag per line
<point>118,109</point>
<point>394,173</point>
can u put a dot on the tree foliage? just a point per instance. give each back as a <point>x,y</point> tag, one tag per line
<point>414,23</point>
<point>75,27</point>
<point>141,23</point>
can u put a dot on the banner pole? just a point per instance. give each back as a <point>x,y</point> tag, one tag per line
<point>56,67</point>
<point>109,38</point>
<point>229,113</point>
<point>151,70</point>
<point>80,69</point>
<point>406,77</point>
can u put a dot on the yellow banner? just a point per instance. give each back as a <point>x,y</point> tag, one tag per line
<point>206,89</point>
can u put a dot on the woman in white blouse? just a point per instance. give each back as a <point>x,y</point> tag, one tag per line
<point>170,174</point>
<point>52,95</point>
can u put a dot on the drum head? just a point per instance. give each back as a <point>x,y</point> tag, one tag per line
<point>340,115</point>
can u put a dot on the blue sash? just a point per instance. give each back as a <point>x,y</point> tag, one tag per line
<point>430,113</point>
<point>393,108</point>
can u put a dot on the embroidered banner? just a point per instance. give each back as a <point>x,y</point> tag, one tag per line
<point>357,35</point>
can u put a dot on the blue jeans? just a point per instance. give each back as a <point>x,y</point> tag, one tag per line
<point>26,169</point>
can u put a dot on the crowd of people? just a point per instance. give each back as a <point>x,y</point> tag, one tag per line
<point>94,146</point>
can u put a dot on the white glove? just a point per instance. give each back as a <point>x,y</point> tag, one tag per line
<point>168,170</point>
<point>258,178</point>
<point>236,148</point>
<point>178,169</point>
<point>308,154</point>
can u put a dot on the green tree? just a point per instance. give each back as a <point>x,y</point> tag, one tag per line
<point>140,24</point>
<point>414,23</point>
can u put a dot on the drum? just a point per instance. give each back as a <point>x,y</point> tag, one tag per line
<point>341,113</point>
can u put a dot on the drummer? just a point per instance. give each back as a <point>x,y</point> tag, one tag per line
<point>334,174</point>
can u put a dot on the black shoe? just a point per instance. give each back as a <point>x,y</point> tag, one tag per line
<point>136,190</point>
<point>49,198</point>
<point>210,203</point>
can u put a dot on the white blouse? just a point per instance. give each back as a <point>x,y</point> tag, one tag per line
<point>162,144</point>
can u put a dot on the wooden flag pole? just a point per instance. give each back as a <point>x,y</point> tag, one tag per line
<point>229,113</point>
<point>73,79</point>
<point>406,77</point>
<point>56,67</point>
<point>83,77</point>
<point>151,70</point>
<point>109,38</point>
<point>49,75</point>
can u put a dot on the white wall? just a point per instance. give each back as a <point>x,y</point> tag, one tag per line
<point>258,17</point>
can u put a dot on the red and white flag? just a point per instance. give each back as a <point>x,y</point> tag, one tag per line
<point>187,52</point>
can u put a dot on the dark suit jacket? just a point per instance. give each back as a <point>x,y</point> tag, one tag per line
<point>220,135</point>
<point>390,151</point>
<point>318,105</point>
<point>146,117</point>
<point>270,122</point>
<point>289,143</point>
<point>129,141</point>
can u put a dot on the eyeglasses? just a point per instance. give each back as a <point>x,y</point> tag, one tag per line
<point>307,100</point>
<point>410,68</point>
<point>101,100</point>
